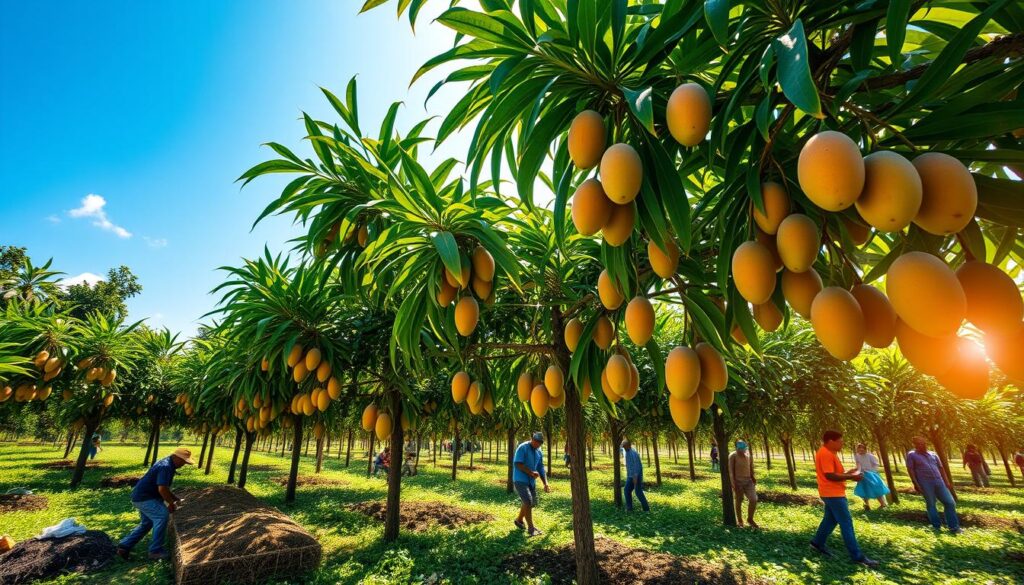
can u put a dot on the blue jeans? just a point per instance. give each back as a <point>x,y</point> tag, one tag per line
<point>154,516</point>
<point>638,484</point>
<point>837,511</point>
<point>935,489</point>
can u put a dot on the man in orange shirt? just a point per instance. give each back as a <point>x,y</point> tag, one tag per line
<point>832,490</point>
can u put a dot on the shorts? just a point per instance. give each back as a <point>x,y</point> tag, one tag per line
<point>527,493</point>
<point>747,488</point>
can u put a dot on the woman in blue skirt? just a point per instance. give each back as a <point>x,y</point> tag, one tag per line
<point>871,486</point>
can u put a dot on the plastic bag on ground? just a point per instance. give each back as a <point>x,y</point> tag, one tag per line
<point>65,527</point>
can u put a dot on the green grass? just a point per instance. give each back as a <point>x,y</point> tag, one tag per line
<point>686,520</point>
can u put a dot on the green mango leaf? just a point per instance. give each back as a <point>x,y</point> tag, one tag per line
<point>641,106</point>
<point>716,12</point>
<point>896,29</point>
<point>794,73</point>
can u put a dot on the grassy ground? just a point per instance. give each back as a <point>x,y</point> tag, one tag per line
<point>685,521</point>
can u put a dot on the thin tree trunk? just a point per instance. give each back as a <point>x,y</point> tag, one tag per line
<point>209,457</point>
<point>690,439</point>
<point>234,454</point>
<point>348,448</point>
<point>149,447</point>
<point>91,424</point>
<point>883,450</point>
<point>243,474</point>
<point>1006,464</point>
<point>202,452</point>
<point>319,454</point>
<point>72,437</point>
<point>156,441</point>
<point>940,450</point>
<point>590,452</point>
<point>455,451</point>
<point>369,463</point>
<point>308,437</point>
<point>392,511</point>
<point>547,431</point>
<point>511,455</point>
<point>616,436</point>
<point>657,461</point>
<point>284,443</point>
<point>767,451</point>
<point>293,472</point>
<point>790,464</point>
<point>722,438</point>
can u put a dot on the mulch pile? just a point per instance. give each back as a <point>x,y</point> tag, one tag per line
<point>118,481</point>
<point>473,468</point>
<point>67,464</point>
<point>617,563</point>
<point>35,559</point>
<point>422,515</point>
<point>21,503</point>
<point>310,480</point>
<point>967,520</point>
<point>224,534</point>
<point>263,468</point>
<point>681,475</point>
<point>788,498</point>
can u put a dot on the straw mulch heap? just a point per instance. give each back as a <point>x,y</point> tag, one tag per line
<point>35,559</point>
<point>224,534</point>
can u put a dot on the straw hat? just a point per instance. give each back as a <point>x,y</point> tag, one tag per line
<point>184,454</point>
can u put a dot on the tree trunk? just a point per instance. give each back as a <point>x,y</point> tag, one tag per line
<point>243,474</point>
<point>72,437</point>
<point>156,441</point>
<point>293,473</point>
<point>202,452</point>
<point>767,451</point>
<point>616,435</point>
<point>348,448</point>
<point>319,454</point>
<point>940,450</point>
<point>511,435</point>
<point>690,438</point>
<point>149,446</point>
<point>433,445</point>
<point>1006,464</point>
<point>393,509</point>
<point>582,523</point>
<point>455,451</point>
<point>657,461</point>
<point>369,463</point>
<point>308,437</point>
<point>209,458</point>
<point>722,438</point>
<point>547,431</point>
<point>790,464</point>
<point>91,424</point>
<point>234,454</point>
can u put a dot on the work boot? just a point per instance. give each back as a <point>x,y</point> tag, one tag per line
<point>124,553</point>
<point>160,556</point>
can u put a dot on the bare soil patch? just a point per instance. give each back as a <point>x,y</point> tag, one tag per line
<point>263,468</point>
<point>68,464</point>
<point>419,516</point>
<point>967,520</point>
<point>617,563</point>
<point>682,475</point>
<point>310,480</point>
<point>22,503</point>
<point>119,481</point>
<point>36,559</point>
<point>788,498</point>
<point>473,468</point>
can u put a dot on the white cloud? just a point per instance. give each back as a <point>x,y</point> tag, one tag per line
<point>155,242</point>
<point>92,206</point>
<point>52,219</point>
<point>85,277</point>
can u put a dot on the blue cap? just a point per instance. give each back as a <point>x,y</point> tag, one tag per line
<point>538,436</point>
<point>741,445</point>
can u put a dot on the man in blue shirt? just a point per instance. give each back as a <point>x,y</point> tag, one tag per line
<point>925,471</point>
<point>149,497</point>
<point>527,466</point>
<point>634,477</point>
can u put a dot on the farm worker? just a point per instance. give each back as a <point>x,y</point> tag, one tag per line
<point>925,471</point>
<point>382,462</point>
<point>634,477</point>
<point>979,471</point>
<point>744,483</point>
<point>528,465</point>
<point>714,457</point>
<point>872,485</point>
<point>832,490</point>
<point>155,501</point>
<point>1018,458</point>
<point>95,447</point>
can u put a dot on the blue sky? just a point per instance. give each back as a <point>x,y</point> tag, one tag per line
<point>124,124</point>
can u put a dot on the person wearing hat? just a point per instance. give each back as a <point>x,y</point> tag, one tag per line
<point>744,483</point>
<point>527,466</point>
<point>634,477</point>
<point>155,501</point>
